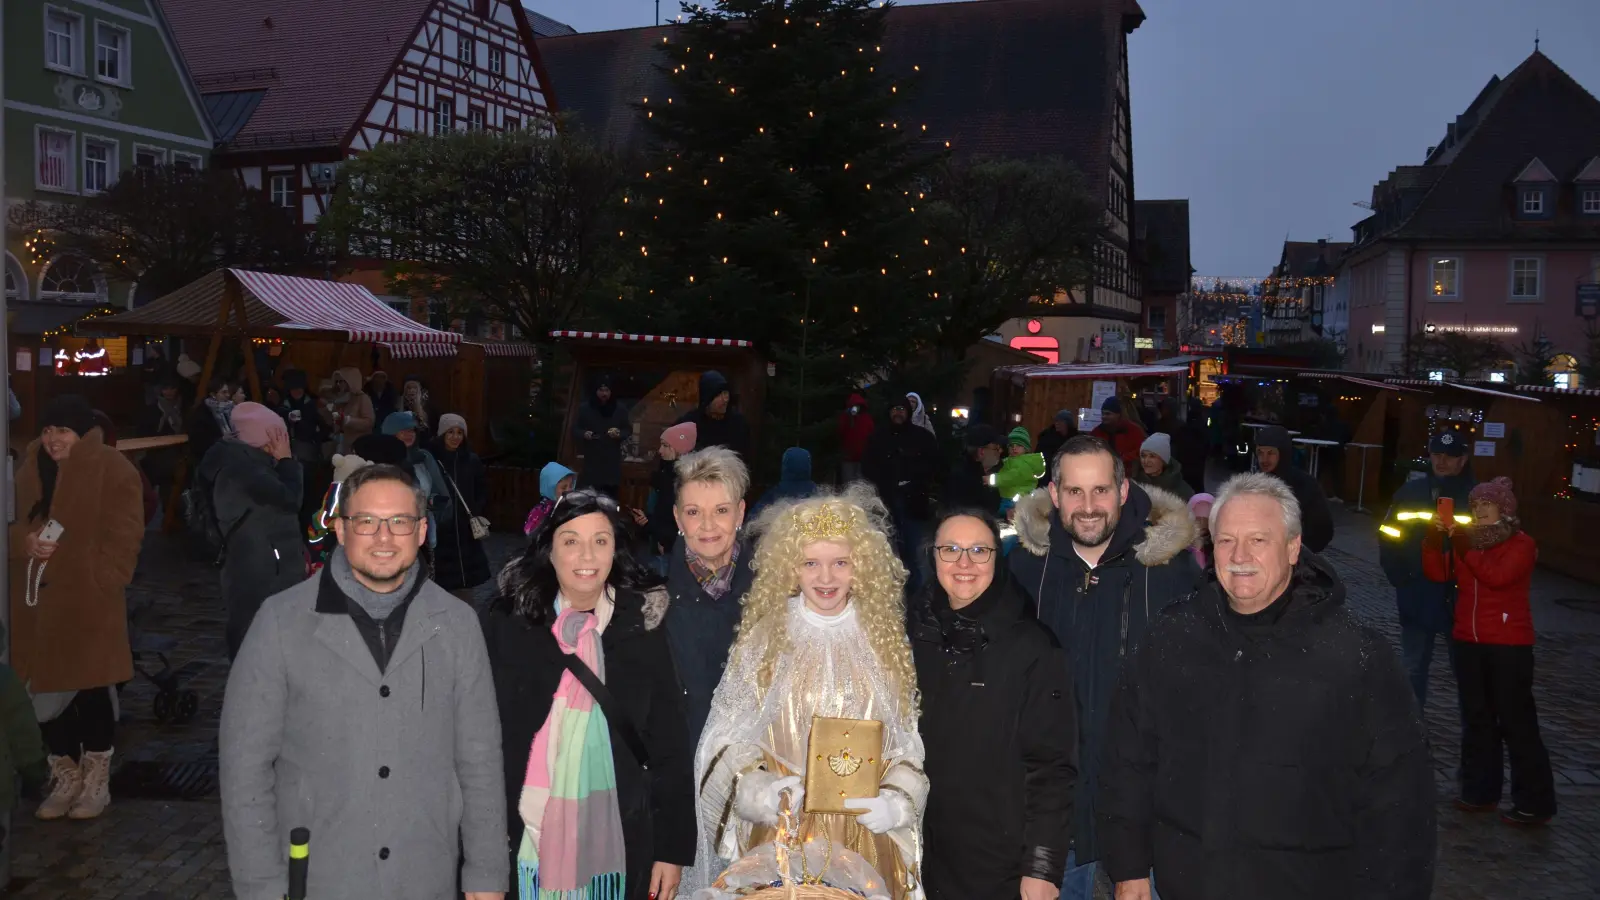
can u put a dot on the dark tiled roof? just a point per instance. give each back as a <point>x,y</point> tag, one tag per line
<point>330,58</point>
<point>998,77</point>
<point>1310,259</point>
<point>1164,241</point>
<point>1538,111</point>
<point>544,26</point>
<point>230,111</point>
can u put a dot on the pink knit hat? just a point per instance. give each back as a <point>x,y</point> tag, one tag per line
<point>1497,492</point>
<point>681,437</point>
<point>1200,505</point>
<point>257,425</point>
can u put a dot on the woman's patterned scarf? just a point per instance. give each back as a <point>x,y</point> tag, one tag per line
<point>1486,536</point>
<point>572,845</point>
<point>714,583</point>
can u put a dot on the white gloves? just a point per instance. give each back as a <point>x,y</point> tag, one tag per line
<point>758,796</point>
<point>883,813</point>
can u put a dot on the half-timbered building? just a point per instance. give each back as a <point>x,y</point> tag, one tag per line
<point>295,87</point>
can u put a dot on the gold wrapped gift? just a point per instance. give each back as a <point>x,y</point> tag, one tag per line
<point>844,760</point>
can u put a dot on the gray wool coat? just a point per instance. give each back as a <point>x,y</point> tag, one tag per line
<point>397,774</point>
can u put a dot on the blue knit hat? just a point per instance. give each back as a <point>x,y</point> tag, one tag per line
<point>400,421</point>
<point>1111,404</point>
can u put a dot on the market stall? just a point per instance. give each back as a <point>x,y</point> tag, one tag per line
<point>485,381</point>
<point>1557,475</point>
<point>1371,412</point>
<point>1031,395</point>
<point>657,380</point>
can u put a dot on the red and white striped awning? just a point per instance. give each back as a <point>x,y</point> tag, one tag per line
<point>1091,370</point>
<point>1361,381</point>
<point>651,338</point>
<point>276,306</point>
<point>415,350</point>
<point>1459,387</point>
<point>1564,392</point>
<point>315,305</point>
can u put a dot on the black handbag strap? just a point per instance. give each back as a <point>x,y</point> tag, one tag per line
<point>608,704</point>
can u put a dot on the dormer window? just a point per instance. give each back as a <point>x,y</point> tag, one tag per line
<point>1588,188</point>
<point>1591,201</point>
<point>1535,186</point>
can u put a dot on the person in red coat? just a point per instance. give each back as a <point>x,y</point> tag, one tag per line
<point>1123,434</point>
<point>1491,561</point>
<point>855,427</point>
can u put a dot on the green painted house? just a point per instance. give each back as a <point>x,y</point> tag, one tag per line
<point>92,88</point>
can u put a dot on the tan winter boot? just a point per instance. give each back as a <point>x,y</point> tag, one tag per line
<point>66,783</point>
<point>96,793</point>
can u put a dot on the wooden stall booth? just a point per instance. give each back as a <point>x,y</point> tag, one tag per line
<point>1031,395</point>
<point>1374,412</point>
<point>322,325</point>
<point>1551,453</point>
<point>657,380</point>
<point>486,382</point>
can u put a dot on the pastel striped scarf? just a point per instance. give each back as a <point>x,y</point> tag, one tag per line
<point>572,828</point>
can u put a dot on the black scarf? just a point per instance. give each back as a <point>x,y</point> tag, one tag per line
<point>961,631</point>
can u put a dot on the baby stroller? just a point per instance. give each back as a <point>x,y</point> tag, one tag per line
<point>172,704</point>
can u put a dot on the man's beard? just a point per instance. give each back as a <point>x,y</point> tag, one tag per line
<point>1091,530</point>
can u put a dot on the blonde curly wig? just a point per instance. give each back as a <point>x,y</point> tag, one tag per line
<point>877,588</point>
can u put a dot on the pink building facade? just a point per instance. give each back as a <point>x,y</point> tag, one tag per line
<point>1497,234</point>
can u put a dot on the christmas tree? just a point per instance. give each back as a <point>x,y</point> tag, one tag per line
<point>780,203</point>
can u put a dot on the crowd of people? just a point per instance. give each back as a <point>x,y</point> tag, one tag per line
<point>1052,668</point>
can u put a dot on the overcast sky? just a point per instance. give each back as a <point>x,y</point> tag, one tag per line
<point>1275,116</point>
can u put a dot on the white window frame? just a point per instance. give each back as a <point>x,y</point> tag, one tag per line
<point>466,50</point>
<point>124,55</point>
<point>1589,200</point>
<point>76,40</point>
<point>1453,295</point>
<point>1533,201</point>
<point>161,154</point>
<point>196,161</point>
<point>477,118</point>
<point>497,60</point>
<point>112,168</point>
<point>71,167</point>
<point>441,124</point>
<point>1538,274</point>
<point>291,194</point>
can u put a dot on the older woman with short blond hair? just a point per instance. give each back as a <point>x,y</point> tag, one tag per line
<point>708,571</point>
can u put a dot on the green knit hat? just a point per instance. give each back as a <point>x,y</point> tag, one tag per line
<point>1020,436</point>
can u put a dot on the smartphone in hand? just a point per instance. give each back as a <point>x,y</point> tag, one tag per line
<point>51,531</point>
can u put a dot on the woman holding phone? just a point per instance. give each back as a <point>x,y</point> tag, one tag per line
<point>80,522</point>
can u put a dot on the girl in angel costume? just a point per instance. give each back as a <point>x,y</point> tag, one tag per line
<point>822,634</point>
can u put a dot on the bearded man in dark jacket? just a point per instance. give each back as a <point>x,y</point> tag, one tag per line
<point>1263,743</point>
<point>1275,455</point>
<point>1099,557</point>
<point>997,723</point>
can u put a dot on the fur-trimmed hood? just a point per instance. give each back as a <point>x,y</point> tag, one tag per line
<point>1169,525</point>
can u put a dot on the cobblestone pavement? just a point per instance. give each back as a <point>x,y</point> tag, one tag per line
<point>162,837</point>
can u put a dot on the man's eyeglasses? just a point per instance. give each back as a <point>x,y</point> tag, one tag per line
<point>400,526</point>
<point>951,553</point>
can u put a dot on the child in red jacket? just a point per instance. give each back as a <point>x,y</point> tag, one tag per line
<point>1491,561</point>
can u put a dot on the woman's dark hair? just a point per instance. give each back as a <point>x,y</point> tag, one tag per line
<point>955,512</point>
<point>47,486</point>
<point>218,383</point>
<point>528,583</point>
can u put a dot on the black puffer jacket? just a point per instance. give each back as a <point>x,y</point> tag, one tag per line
<point>1316,520</point>
<point>1001,738</point>
<point>700,630</point>
<point>1100,615</point>
<point>1257,759</point>
<point>602,453</point>
<point>257,502</point>
<point>657,804</point>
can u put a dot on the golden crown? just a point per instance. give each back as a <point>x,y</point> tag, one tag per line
<point>824,525</point>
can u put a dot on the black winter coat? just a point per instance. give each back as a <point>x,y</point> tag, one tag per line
<point>657,804</point>
<point>904,463</point>
<point>731,431</point>
<point>1316,520</point>
<point>257,503</point>
<point>1001,737</point>
<point>1100,615</point>
<point>459,561</point>
<point>309,428</point>
<point>602,454</point>
<point>662,528</point>
<point>1258,760</point>
<point>700,630</point>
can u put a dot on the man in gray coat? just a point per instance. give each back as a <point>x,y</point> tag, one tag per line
<point>362,707</point>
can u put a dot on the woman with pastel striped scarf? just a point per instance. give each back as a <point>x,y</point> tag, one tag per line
<point>587,820</point>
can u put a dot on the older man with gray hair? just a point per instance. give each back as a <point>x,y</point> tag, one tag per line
<point>1263,743</point>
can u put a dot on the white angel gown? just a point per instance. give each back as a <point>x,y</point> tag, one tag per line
<point>829,671</point>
